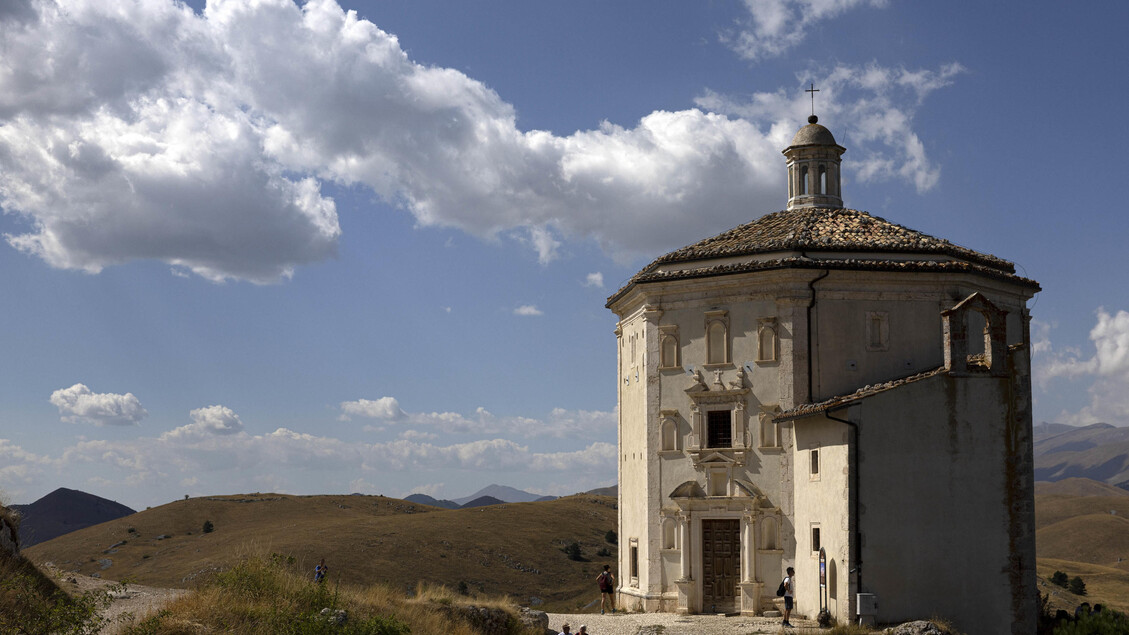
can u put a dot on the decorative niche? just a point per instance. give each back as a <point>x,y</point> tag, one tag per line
<point>670,440</point>
<point>768,341</point>
<point>717,338</point>
<point>769,427</point>
<point>670,349</point>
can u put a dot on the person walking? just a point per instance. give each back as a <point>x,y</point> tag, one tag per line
<point>565,629</point>
<point>606,582</point>
<point>789,595</point>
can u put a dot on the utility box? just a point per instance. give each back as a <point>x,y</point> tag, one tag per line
<point>866,606</point>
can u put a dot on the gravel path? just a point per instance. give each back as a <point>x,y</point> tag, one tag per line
<point>136,600</point>
<point>674,624</point>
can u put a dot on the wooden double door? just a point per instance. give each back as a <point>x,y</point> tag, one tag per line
<point>721,565</point>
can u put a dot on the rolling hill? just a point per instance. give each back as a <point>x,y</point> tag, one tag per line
<point>424,499</point>
<point>511,548</point>
<point>1082,529</point>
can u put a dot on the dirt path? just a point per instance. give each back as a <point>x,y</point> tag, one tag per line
<point>135,600</point>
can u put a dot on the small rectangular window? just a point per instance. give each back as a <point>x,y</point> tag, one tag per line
<point>815,539</point>
<point>720,429</point>
<point>634,561</point>
<point>815,462</point>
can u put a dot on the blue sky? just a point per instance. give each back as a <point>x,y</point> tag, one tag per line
<point>323,248</point>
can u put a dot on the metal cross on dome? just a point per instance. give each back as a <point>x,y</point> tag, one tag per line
<point>813,90</point>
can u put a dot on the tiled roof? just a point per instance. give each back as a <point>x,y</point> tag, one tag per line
<point>809,409</point>
<point>823,229</point>
<point>818,231</point>
<point>857,264</point>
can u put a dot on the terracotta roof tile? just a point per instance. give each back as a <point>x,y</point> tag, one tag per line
<point>823,229</point>
<point>818,231</point>
<point>809,409</point>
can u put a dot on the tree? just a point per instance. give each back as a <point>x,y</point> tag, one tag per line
<point>1077,586</point>
<point>573,551</point>
<point>611,537</point>
<point>208,527</point>
<point>1059,578</point>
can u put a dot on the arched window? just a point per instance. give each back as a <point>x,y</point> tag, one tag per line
<point>822,180</point>
<point>803,180</point>
<point>670,351</point>
<point>717,343</point>
<point>668,533</point>
<point>669,434</point>
<point>766,340</point>
<point>770,431</point>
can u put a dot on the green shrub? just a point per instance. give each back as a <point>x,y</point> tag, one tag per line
<point>1077,586</point>
<point>262,596</point>
<point>1060,579</point>
<point>1101,623</point>
<point>610,537</point>
<point>27,608</point>
<point>209,527</point>
<point>573,551</point>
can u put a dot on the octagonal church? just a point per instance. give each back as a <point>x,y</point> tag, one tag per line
<point>826,390</point>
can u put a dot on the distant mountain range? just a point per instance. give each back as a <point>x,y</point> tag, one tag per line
<point>63,511</point>
<point>497,495</point>
<point>1099,452</point>
<point>504,494</point>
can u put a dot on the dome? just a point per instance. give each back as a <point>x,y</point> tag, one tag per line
<point>813,134</point>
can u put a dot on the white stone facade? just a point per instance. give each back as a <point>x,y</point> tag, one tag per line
<point>811,376</point>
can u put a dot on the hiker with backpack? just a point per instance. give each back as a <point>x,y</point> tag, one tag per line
<point>606,582</point>
<point>787,590</point>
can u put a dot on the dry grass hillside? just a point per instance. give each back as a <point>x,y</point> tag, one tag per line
<point>1082,529</point>
<point>515,549</point>
<point>1078,487</point>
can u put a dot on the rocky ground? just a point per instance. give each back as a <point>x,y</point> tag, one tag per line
<point>673,624</point>
<point>135,600</point>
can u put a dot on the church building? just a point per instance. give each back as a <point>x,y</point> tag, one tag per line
<point>826,390</point>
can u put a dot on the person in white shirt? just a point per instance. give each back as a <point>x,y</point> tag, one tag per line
<point>789,595</point>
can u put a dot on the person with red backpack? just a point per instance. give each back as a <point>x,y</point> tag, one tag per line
<point>606,582</point>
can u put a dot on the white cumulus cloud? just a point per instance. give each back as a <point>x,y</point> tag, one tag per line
<point>216,419</point>
<point>774,26</point>
<point>561,422</point>
<point>1108,367</point>
<point>79,404</point>
<point>595,279</point>
<point>869,109</point>
<point>528,310</point>
<point>142,130</point>
<point>383,408</point>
